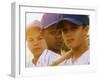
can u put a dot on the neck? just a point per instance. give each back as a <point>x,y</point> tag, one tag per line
<point>35,59</point>
<point>56,51</point>
<point>77,52</point>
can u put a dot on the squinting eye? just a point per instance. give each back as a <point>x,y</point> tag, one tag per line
<point>73,29</point>
<point>40,38</point>
<point>64,30</point>
<point>52,32</point>
<point>30,39</point>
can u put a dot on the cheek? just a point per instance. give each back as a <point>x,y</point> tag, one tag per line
<point>64,38</point>
<point>43,44</point>
<point>78,38</point>
<point>51,39</point>
<point>29,45</point>
<point>46,37</point>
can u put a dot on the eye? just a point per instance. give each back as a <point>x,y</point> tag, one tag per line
<point>52,32</point>
<point>40,38</point>
<point>30,40</point>
<point>74,27</point>
<point>64,30</point>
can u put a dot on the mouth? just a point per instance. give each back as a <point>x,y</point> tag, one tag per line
<point>37,49</point>
<point>58,43</point>
<point>70,40</point>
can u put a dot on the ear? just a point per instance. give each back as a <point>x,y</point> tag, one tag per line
<point>86,28</point>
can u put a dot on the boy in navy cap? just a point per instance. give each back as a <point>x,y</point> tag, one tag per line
<point>74,32</point>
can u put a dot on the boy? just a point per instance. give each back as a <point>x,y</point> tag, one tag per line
<point>37,45</point>
<point>52,34</point>
<point>35,42</point>
<point>53,38</point>
<point>74,32</point>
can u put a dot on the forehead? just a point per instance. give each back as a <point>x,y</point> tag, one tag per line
<point>52,28</point>
<point>33,31</point>
<point>67,24</point>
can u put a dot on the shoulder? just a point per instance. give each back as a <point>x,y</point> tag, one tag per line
<point>85,58</point>
<point>49,53</point>
<point>47,57</point>
<point>52,53</point>
<point>29,63</point>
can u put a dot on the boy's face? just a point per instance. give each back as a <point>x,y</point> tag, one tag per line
<point>36,42</point>
<point>74,36</point>
<point>53,38</point>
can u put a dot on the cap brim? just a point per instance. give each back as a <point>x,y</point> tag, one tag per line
<point>72,21</point>
<point>54,22</point>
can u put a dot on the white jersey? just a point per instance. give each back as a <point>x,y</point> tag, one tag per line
<point>47,57</point>
<point>30,64</point>
<point>83,59</point>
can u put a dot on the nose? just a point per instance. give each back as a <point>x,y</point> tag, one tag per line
<point>67,33</point>
<point>58,36</point>
<point>35,43</point>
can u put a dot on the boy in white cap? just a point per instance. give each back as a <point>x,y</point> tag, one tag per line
<point>53,38</point>
<point>52,34</point>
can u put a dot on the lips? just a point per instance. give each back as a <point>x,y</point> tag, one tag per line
<point>37,48</point>
<point>70,40</point>
<point>58,43</point>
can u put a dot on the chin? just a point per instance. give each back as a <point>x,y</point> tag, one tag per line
<point>71,46</point>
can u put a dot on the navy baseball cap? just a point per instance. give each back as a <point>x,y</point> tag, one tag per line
<point>76,19</point>
<point>49,19</point>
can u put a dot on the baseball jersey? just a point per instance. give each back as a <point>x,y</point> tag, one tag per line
<point>30,64</point>
<point>47,57</point>
<point>83,59</point>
